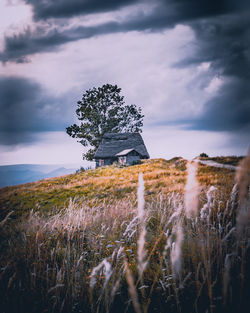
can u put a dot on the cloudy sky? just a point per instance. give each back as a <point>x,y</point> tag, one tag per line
<point>185,62</point>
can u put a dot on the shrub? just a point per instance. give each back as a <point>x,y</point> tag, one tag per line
<point>203,155</point>
<point>81,169</point>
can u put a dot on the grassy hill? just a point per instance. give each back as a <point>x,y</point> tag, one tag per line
<point>106,184</point>
<point>86,242</point>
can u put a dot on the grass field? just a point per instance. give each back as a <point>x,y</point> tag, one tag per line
<point>176,240</point>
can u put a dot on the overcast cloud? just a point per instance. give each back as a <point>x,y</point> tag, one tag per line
<point>186,62</point>
<point>27,108</point>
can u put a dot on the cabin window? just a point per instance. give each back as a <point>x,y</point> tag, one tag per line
<point>101,162</point>
<point>122,160</point>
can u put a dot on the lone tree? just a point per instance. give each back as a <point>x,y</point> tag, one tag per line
<point>100,111</point>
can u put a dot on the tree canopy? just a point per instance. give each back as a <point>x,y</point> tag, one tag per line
<point>103,110</point>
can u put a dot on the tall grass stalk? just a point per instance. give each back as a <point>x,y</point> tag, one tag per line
<point>191,197</point>
<point>176,250</point>
<point>141,252</point>
<point>243,183</point>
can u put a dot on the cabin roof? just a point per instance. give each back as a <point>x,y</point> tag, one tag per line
<point>124,152</point>
<point>116,143</point>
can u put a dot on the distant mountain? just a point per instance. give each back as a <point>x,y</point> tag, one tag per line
<point>25,173</point>
<point>60,171</point>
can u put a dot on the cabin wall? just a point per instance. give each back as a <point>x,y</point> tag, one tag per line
<point>108,161</point>
<point>132,158</point>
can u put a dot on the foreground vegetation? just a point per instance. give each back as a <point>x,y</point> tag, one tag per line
<point>180,243</point>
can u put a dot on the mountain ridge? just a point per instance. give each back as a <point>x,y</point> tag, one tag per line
<point>16,174</point>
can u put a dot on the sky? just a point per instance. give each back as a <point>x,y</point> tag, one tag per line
<point>186,63</point>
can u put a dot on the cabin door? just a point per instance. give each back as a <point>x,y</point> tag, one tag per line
<point>122,160</point>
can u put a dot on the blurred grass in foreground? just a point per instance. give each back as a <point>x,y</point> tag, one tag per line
<point>99,253</point>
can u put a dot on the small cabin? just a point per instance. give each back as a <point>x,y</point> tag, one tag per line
<point>124,148</point>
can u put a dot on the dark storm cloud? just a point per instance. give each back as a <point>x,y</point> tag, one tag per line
<point>227,111</point>
<point>225,42</point>
<point>44,9</point>
<point>18,47</point>
<point>222,29</point>
<point>165,14</point>
<point>26,108</point>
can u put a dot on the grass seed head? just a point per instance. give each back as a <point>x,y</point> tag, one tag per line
<point>141,252</point>
<point>176,250</point>
<point>192,189</point>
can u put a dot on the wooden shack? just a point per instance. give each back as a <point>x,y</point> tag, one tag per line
<point>124,148</point>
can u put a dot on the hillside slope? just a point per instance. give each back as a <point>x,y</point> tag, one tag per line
<point>106,184</point>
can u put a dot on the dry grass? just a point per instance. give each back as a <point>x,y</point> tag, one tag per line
<point>93,186</point>
<point>230,160</point>
<point>124,256</point>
